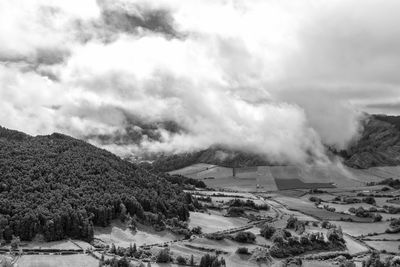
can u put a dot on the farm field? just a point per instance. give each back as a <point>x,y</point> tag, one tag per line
<point>353,246</point>
<point>214,222</point>
<point>120,235</point>
<point>358,229</point>
<point>391,237</point>
<point>389,246</point>
<point>273,178</point>
<point>309,208</point>
<point>295,183</point>
<point>63,244</point>
<point>81,260</point>
<point>194,169</point>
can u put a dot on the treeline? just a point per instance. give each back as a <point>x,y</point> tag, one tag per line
<point>61,187</point>
<point>214,155</point>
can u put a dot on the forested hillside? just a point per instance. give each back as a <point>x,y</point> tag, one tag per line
<point>61,187</point>
<point>379,144</point>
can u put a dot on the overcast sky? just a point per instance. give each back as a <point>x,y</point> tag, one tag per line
<point>278,77</point>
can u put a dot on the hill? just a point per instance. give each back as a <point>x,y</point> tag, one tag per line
<point>61,187</point>
<point>379,144</point>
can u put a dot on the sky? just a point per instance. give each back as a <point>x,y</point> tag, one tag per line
<point>280,78</point>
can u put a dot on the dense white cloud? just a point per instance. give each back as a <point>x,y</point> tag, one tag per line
<point>280,78</point>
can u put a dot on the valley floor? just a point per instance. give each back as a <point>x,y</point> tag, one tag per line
<point>362,235</point>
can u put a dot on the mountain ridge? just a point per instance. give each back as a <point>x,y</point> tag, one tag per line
<point>59,186</point>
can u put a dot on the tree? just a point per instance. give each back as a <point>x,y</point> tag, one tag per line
<point>101,262</point>
<point>377,217</point>
<point>245,237</point>
<point>123,214</point>
<point>211,261</point>
<point>267,231</point>
<point>335,235</point>
<point>163,256</point>
<point>181,260</point>
<point>60,187</point>
<point>113,249</point>
<point>325,224</point>
<point>191,263</point>
<point>291,222</point>
<point>369,200</point>
<point>196,230</point>
<point>123,262</point>
<point>242,250</point>
<point>15,243</point>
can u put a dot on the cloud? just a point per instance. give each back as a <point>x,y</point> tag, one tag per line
<point>279,78</point>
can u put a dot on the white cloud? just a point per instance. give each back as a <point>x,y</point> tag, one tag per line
<point>277,77</point>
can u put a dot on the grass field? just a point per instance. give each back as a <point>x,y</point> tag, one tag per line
<point>395,237</point>
<point>358,229</point>
<point>214,222</point>
<point>193,169</point>
<point>120,235</point>
<point>309,208</point>
<point>63,244</point>
<point>295,183</point>
<point>272,178</point>
<point>389,246</point>
<point>80,260</point>
<point>353,246</point>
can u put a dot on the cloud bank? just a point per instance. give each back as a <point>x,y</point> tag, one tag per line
<point>279,78</point>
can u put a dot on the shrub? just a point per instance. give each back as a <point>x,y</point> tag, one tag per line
<point>235,212</point>
<point>280,236</point>
<point>335,235</point>
<point>377,217</point>
<point>163,256</point>
<point>291,222</point>
<point>369,200</point>
<point>315,199</point>
<point>325,224</point>
<point>211,261</point>
<point>245,237</point>
<point>242,250</point>
<point>196,230</point>
<point>292,246</point>
<point>267,231</point>
<point>181,260</point>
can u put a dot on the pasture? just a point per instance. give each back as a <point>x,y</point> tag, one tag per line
<point>80,260</point>
<point>309,208</point>
<point>358,229</point>
<point>213,221</point>
<point>122,236</point>
<point>273,178</point>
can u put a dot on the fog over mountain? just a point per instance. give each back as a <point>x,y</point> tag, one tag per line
<point>135,77</point>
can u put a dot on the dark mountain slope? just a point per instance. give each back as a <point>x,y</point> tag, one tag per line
<point>60,187</point>
<point>379,144</point>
